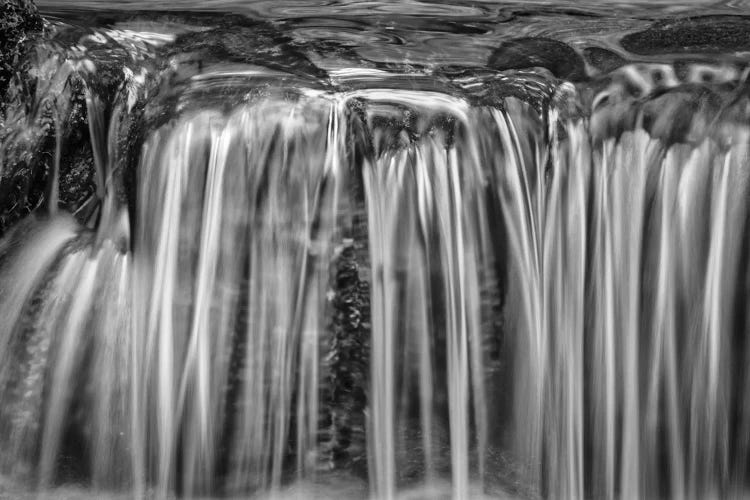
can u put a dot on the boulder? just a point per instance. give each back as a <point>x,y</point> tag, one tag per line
<point>520,53</point>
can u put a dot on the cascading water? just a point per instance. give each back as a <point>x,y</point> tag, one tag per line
<point>254,256</point>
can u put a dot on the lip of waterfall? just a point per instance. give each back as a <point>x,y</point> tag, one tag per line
<point>460,37</point>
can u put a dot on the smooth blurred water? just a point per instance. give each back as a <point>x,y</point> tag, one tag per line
<point>413,250</point>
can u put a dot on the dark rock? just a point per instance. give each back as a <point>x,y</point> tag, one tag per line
<point>32,136</point>
<point>705,34</point>
<point>602,59</point>
<point>559,58</point>
<point>22,186</point>
<point>345,396</point>
<point>535,88</point>
<point>30,152</point>
<point>18,19</point>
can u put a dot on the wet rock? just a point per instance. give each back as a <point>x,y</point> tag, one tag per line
<point>258,43</point>
<point>559,58</point>
<point>603,60</point>
<point>345,397</point>
<point>534,88</point>
<point>29,142</point>
<point>705,34</point>
<point>682,115</point>
<point>50,119</point>
<point>18,20</point>
<point>685,114</point>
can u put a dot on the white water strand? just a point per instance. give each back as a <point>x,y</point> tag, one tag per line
<point>552,314</point>
<point>259,202</point>
<point>420,224</point>
<point>659,424</point>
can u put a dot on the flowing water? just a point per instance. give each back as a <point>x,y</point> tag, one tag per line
<point>425,250</point>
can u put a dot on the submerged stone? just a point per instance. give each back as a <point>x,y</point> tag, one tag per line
<point>520,53</point>
<point>705,34</point>
<point>257,43</point>
<point>345,398</point>
<point>686,114</point>
<point>602,59</point>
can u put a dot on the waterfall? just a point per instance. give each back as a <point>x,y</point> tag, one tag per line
<point>363,288</point>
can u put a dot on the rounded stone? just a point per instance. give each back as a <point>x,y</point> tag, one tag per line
<point>602,59</point>
<point>696,35</point>
<point>520,53</point>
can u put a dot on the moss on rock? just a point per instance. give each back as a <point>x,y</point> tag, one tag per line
<point>18,20</point>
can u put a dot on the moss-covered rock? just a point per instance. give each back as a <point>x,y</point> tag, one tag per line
<point>46,145</point>
<point>343,428</point>
<point>19,22</point>
<point>19,19</point>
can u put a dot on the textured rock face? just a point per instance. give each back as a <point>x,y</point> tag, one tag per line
<point>602,59</point>
<point>46,157</point>
<point>695,35</point>
<point>346,399</point>
<point>559,58</point>
<point>18,19</point>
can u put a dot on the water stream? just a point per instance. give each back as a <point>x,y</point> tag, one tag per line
<point>441,251</point>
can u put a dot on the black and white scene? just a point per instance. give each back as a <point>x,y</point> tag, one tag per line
<point>375,249</point>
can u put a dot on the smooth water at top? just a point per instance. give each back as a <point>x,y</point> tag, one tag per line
<point>385,250</point>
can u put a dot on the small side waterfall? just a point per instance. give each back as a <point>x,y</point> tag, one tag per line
<point>286,288</point>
